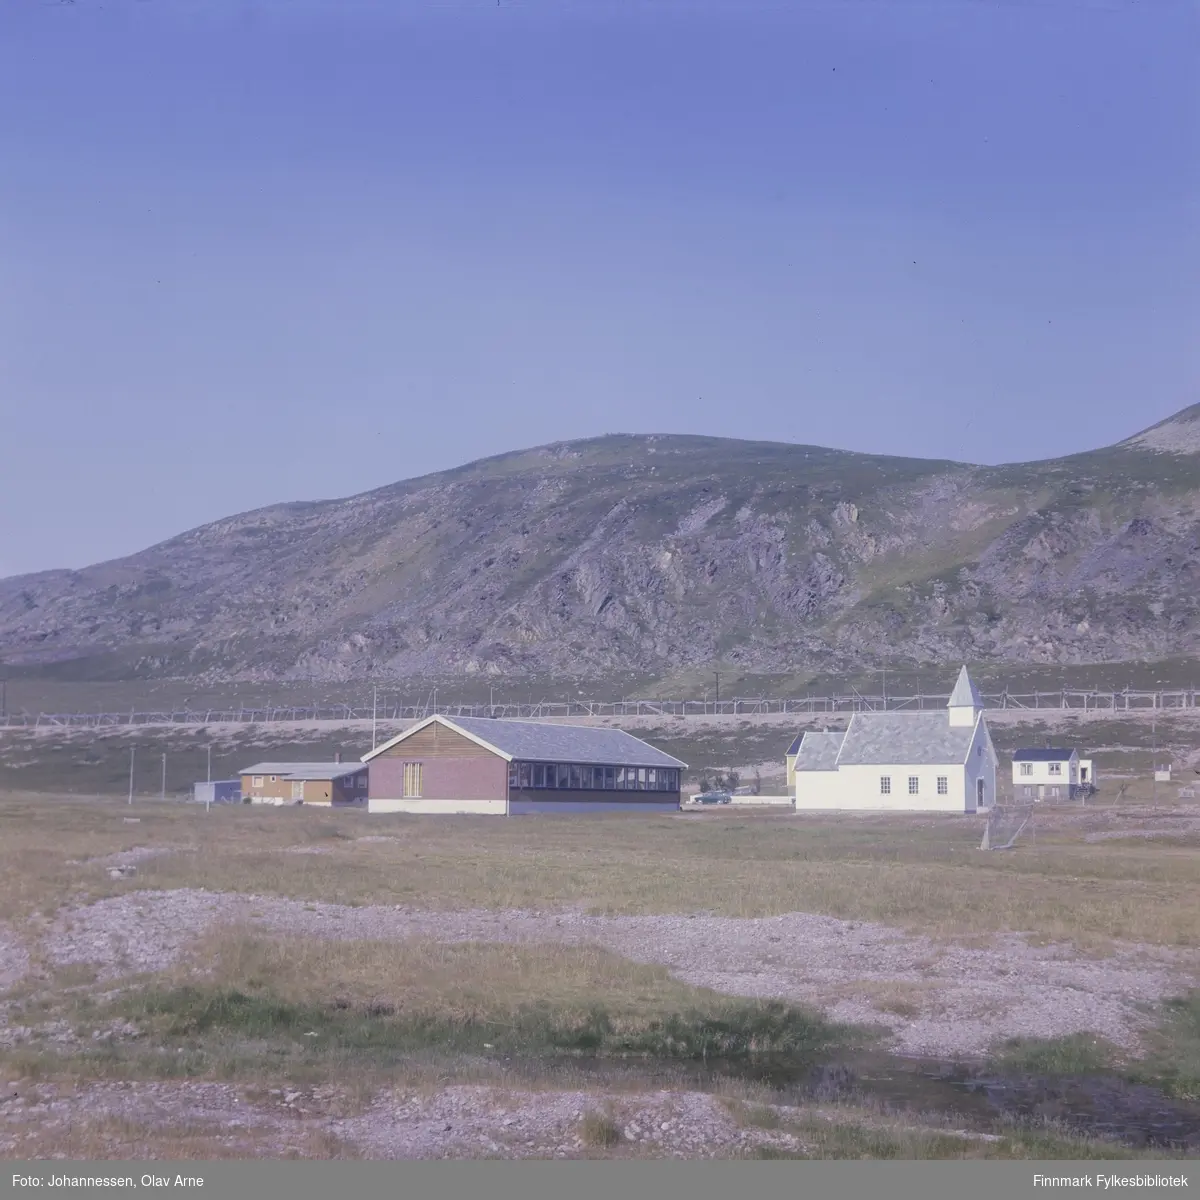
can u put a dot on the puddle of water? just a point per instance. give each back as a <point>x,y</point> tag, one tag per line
<point>1103,1106</point>
<point>973,1096</point>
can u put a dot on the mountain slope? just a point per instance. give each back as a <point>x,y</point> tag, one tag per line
<point>656,553</point>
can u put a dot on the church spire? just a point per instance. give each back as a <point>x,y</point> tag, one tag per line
<point>965,703</point>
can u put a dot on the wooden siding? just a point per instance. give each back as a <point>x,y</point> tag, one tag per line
<point>280,789</point>
<point>443,777</point>
<point>317,791</point>
<point>313,791</point>
<point>435,741</point>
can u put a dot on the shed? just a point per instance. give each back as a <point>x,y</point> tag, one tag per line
<point>218,791</point>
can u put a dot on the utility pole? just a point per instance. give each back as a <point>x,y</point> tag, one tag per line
<point>210,762</point>
<point>374,712</point>
<point>163,795</point>
<point>132,751</point>
<point>1154,757</point>
<point>717,698</point>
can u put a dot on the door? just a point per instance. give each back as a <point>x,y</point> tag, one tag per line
<point>980,795</point>
<point>298,789</point>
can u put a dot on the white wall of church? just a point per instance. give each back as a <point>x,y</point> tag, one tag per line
<point>981,770</point>
<point>894,787</point>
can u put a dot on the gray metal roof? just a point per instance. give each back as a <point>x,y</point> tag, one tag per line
<point>295,770</point>
<point>920,739</point>
<point>533,741</point>
<point>819,751</point>
<point>965,694</point>
<point>1040,754</point>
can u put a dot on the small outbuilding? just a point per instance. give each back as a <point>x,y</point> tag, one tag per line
<point>1046,773</point>
<point>218,791</point>
<point>501,767</point>
<point>336,784</point>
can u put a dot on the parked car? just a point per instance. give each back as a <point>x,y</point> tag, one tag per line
<point>712,798</point>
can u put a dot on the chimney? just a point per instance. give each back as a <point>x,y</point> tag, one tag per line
<point>337,758</point>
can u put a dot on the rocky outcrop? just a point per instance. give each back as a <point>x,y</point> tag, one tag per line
<point>646,554</point>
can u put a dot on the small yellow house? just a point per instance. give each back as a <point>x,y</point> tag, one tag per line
<point>336,784</point>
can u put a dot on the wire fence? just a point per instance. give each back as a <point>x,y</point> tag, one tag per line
<point>389,711</point>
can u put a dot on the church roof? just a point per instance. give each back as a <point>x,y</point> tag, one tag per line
<point>819,751</point>
<point>904,738</point>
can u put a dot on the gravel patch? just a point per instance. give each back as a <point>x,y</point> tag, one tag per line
<point>130,858</point>
<point>60,1033</point>
<point>452,1123</point>
<point>35,1116</point>
<point>1166,830</point>
<point>966,997</point>
<point>469,1122</point>
<point>14,959</point>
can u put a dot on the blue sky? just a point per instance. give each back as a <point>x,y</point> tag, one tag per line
<point>255,250</point>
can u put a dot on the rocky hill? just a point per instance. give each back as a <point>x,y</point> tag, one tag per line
<point>655,554</point>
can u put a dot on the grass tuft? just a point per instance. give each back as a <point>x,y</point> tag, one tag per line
<point>1074,1055</point>
<point>599,1131</point>
<point>1174,1059</point>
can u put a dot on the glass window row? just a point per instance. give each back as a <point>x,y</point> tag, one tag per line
<point>577,777</point>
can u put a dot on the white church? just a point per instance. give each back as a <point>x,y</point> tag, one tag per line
<point>903,761</point>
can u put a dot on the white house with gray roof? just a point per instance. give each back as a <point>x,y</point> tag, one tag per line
<point>903,761</point>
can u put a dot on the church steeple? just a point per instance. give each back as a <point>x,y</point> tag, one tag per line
<point>965,704</point>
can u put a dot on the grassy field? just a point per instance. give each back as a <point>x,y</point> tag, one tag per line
<point>270,1013</point>
<point>921,873</point>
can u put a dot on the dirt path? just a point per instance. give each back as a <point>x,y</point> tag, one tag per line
<point>937,998</point>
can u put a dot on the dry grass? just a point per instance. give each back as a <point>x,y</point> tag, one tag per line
<point>847,1132</point>
<point>599,1130</point>
<point>125,1139</point>
<point>921,873</point>
<point>463,982</point>
<point>256,1008</point>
